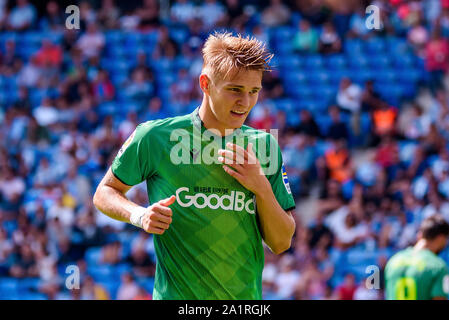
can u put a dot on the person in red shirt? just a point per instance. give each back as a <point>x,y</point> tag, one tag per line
<point>49,54</point>
<point>346,290</point>
<point>436,60</point>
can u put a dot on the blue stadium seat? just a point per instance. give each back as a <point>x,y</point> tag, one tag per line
<point>378,62</point>
<point>318,77</point>
<point>33,296</point>
<point>323,121</point>
<point>314,62</point>
<point>9,288</point>
<point>100,272</point>
<point>375,45</point>
<point>357,62</point>
<point>93,255</point>
<point>336,62</point>
<point>353,47</point>
<point>27,285</point>
<point>114,38</point>
<point>179,35</point>
<point>385,75</point>
<point>291,62</point>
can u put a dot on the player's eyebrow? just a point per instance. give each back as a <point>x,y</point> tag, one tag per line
<point>241,87</point>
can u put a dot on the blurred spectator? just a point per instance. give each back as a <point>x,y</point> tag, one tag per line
<point>306,39</point>
<point>108,14</point>
<point>139,89</point>
<point>102,88</point>
<point>30,75</point>
<point>46,114</point>
<point>148,15</point>
<point>436,60</point>
<point>128,289</point>
<point>142,265</point>
<point>336,163</point>
<point>349,96</point>
<point>182,11</point>
<point>287,278</point>
<point>307,125</point>
<point>357,24</point>
<point>211,13</point>
<point>418,36</point>
<point>275,14</point>
<point>371,99</point>
<point>129,21</point>
<point>92,42</point>
<point>384,122</point>
<point>53,19</point>
<point>183,90</point>
<point>49,54</point>
<point>166,47</point>
<point>154,110</point>
<point>329,40</point>
<point>111,253</point>
<point>337,129</point>
<point>22,16</point>
<point>142,294</point>
<point>90,290</point>
<point>346,290</point>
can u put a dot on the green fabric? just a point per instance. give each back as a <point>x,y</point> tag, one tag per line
<point>416,275</point>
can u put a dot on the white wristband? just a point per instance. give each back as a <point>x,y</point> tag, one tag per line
<point>136,216</point>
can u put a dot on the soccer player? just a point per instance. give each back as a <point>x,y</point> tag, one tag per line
<point>417,273</point>
<point>208,217</point>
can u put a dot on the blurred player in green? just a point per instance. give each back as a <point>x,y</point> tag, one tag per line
<point>213,199</point>
<point>418,273</point>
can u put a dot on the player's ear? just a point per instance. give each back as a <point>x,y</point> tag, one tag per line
<point>204,83</point>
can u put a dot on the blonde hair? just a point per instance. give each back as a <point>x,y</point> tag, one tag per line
<point>225,55</point>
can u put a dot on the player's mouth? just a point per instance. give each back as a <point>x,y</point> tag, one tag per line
<point>239,114</point>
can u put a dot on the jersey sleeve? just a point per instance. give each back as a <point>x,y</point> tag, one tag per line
<point>440,286</point>
<point>135,162</point>
<point>279,179</point>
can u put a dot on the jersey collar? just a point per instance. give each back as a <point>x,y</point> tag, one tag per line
<point>199,125</point>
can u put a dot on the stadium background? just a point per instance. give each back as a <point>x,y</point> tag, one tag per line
<point>363,118</point>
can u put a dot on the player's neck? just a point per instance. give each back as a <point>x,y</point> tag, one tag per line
<point>209,120</point>
<point>424,244</point>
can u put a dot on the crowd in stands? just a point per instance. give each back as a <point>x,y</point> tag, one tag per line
<point>69,98</point>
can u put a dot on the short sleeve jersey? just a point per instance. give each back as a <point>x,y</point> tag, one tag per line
<point>213,248</point>
<point>416,275</point>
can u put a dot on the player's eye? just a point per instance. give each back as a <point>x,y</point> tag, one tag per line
<point>235,89</point>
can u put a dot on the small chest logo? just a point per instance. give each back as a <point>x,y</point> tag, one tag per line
<point>285,179</point>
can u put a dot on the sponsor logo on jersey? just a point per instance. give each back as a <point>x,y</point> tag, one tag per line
<point>285,179</point>
<point>126,143</point>
<point>235,201</point>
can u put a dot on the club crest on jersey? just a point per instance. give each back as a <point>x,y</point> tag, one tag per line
<point>285,179</point>
<point>126,144</point>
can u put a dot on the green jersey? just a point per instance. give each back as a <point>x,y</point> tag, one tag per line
<point>416,275</point>
<point>213,248</point>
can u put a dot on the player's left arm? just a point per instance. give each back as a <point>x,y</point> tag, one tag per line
<point>278,226</point>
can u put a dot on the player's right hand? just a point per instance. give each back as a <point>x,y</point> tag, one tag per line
<point>159,216</point>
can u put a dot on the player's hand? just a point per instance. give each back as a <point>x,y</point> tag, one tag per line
<point>159,216</point>
<point>244,166</point>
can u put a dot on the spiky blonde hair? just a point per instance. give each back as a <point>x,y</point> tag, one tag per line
<point>224,55</point>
